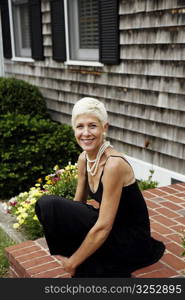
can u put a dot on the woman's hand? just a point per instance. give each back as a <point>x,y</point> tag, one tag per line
<point>68,267</point>
<point>65,262</point>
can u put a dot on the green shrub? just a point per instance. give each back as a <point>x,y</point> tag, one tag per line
<point>30,147</point>
<point>148,183</point>
<point>18,96</point>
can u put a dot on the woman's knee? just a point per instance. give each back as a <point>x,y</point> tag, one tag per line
<point>49,201</point>
<point>42,204</point>
<point>44,200</point>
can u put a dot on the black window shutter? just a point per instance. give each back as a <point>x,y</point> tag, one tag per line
<point>5,20</point>
<point>58,30</point>
<point>109,31</point>
<point>36,29</point>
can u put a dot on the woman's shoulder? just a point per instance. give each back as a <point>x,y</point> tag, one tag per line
<point>82,160</point>
<point>118,166</point>
<point>114,157</point>
<point>117,162</point>
<point>82,156</point>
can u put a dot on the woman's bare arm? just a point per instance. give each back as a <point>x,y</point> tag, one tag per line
<point>81,189</point>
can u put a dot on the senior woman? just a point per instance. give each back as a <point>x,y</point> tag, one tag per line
<point>114,240</point>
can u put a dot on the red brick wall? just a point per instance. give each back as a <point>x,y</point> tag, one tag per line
<point>32,259</point>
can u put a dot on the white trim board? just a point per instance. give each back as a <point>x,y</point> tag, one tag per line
<point>161,175</point>
<point>1,51</point>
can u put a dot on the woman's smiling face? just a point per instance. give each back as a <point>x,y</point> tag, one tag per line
<point>89,132</point>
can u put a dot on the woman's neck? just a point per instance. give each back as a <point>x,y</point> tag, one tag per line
<point>92,169</point>
<point>93,154</point>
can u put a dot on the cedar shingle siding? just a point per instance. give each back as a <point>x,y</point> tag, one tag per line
<point>143,89</point>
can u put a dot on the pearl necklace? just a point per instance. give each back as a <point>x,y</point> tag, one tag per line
<point>92,170</point>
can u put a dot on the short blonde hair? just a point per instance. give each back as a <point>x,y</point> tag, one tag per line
<point>89,105</point>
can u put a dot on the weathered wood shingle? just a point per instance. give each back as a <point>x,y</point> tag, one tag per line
<point>144,94</point>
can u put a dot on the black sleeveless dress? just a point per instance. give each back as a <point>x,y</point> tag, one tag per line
<point>128,247</point>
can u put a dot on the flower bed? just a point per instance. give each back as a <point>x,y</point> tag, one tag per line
<point>62,182</point>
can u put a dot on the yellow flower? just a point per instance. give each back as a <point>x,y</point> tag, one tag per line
<point>37,184</point>
<point>56,168</point>
<point>35,218</point>
<point>26,205</point>
<point>32,189</point>
<point>47,177</point>
<point>21,210</point>
<point>24,215</point>
<point>19,218</point>
<point>33,201</point>
<point>21,221</point>
<point>39,180</point>
<point>45,186</point>
<point>23,194</point>
<point>16,225</point>
<point>49,182</point>
<point>36,194</point>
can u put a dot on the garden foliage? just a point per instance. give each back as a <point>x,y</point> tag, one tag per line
<point>5,241</point>
<point>20,97</point>
<point>29,148</point>
<point>30,142</point>
<point>183,242</point>
<point>148,183</point>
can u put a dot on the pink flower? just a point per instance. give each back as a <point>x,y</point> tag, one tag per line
<point>56,179</point>
<point>60,171</point>
<point>12,203</point>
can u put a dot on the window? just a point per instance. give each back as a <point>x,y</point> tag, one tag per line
<point>21,28</point>
<point>83,29</point>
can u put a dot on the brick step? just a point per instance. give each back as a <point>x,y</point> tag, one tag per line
<point>31,259</point>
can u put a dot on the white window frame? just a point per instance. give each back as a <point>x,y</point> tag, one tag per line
<point>14,57</point>
<point>80,51</point>
<point>1,50</point>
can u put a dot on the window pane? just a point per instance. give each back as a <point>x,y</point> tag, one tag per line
<point>25,26</point>
<point>83,30</point>
<point>21,28</point>
<point>88,23</point>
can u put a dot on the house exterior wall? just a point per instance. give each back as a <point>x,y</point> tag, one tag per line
<point>144,94</point>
